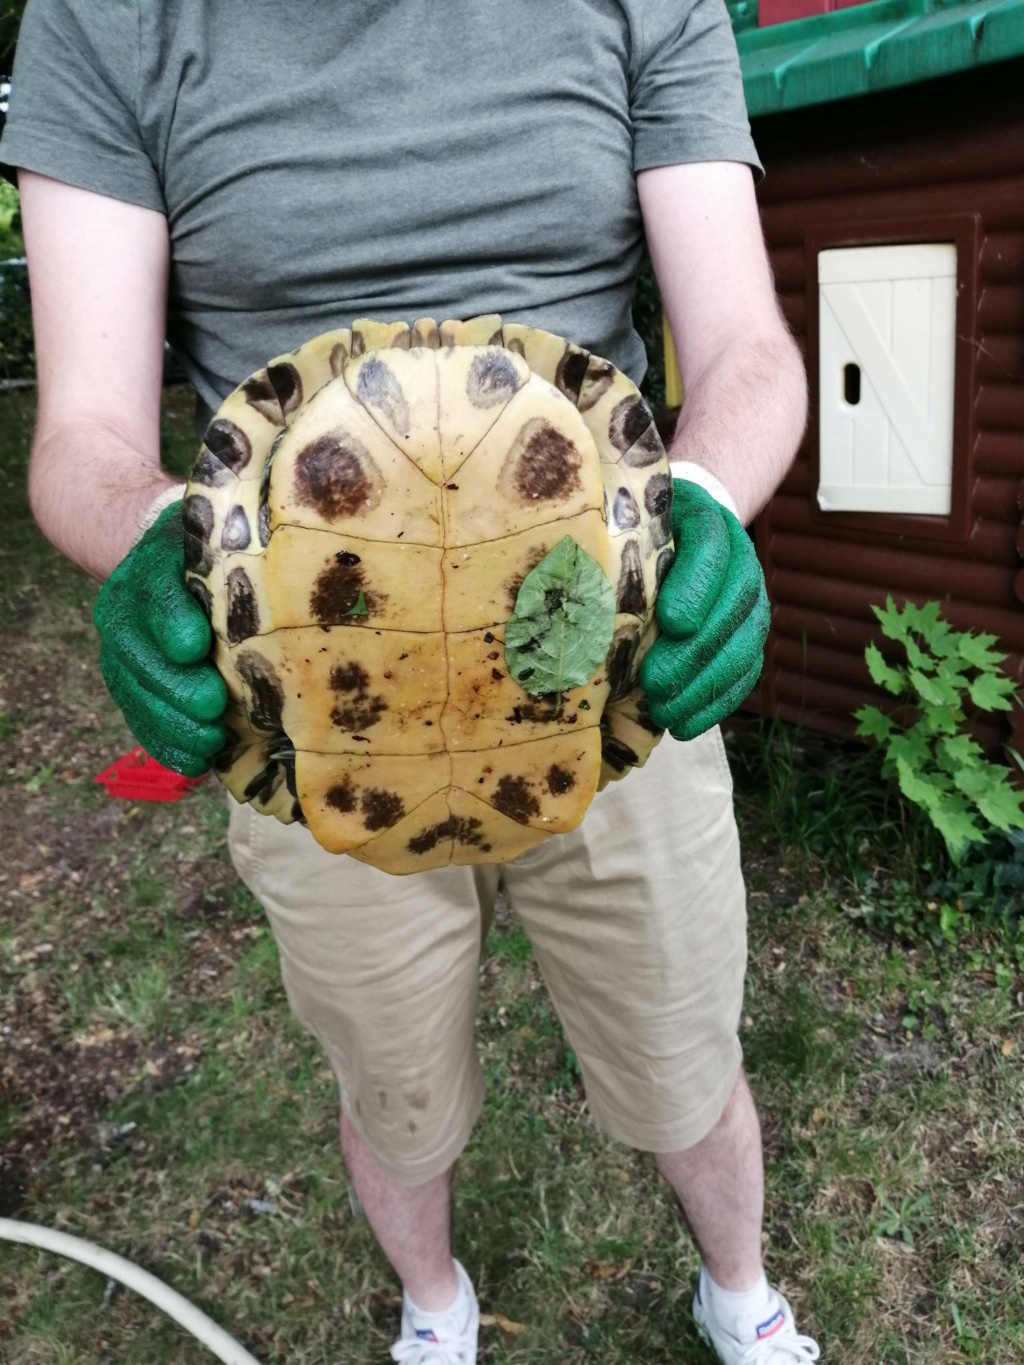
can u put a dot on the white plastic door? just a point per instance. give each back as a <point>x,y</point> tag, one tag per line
<point>887,331</point>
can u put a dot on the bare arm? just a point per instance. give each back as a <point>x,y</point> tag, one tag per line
<point>743,378</point>
<point>98,272</point>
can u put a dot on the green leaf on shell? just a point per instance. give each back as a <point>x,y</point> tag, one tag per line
<point>359,607</point>
<point>561,629</point>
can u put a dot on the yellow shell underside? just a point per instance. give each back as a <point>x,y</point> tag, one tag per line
<point>358,523</point>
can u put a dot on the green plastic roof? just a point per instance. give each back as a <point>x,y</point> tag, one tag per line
<point>743,14</point>
<point>875,46</point>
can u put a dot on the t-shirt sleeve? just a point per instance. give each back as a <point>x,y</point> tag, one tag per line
<point>687,100</point>
<point>72,106</point>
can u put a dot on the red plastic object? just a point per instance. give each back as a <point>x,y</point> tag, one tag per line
<point>138,777</point>
<point>782,11</point>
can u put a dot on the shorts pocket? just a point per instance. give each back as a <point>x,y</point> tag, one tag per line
<point>721,757</point>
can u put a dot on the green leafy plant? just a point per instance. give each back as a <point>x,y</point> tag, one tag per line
<point>647,322</point>
<point>903,1221</point>
<point>938,764</point>
<point>11,241</point>
<point>17,339</point>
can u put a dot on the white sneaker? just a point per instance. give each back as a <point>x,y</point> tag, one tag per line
<point>441,1339</point>
<point>769,1339</point>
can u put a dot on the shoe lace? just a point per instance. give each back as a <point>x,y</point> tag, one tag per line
<point>787,1349</point>
<point>455,1351</point>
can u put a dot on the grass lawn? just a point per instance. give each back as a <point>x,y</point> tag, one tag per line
<point>157,1098</point>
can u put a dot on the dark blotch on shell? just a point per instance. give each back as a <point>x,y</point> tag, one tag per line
<point>545,463</point>
<point>259,394</point>
<point>513,798</point>
<point>429,337</point>
<point>571,371</point>
<point>263,524</point>
<point>658,495</point>
<point>643,717</point>
<point>336,476</point>
<point>381,809</point>
<point>629,420</point>
<point>547,706</point>
<point>625,512</point>
<point>465,830</point>
<point>512,585</point>
<point>621,662</point>
<point>648,450</point>
<point>225,758</point>
<point>287,384</point>
<point>350,677</point>
<point>560,780</point>
<point>363,710</point>
<point>659,531</point>
<point>267,695</point>
<point>201,593</point>
<point>197,517</point>
<point>266,782</point>
<point>356,716</point>
<point>378,387</point>
<point>236,534</point>
<point>197,525</point>
<point>243,611</point>
<point>335,592</point>
<point>617,754</point>
<point>209,470</point>
<point>631,596</point>
<point>287,761</point>
<point>631,429</point>
<point>280,767</point>
<point>492,379</point>
<point>229,444</point>
<point>342,796</point>
<point>199,558</point>
<point>598,378</point>
<point>339,354</point>
<point>665,562</point>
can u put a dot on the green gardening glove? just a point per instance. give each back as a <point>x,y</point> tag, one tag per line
<point>713,612</point>
<point>155,638</point>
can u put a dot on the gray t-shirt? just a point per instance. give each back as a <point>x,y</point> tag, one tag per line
<point>323,160</point>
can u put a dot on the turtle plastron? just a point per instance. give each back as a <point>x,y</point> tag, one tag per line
<point>359,521</point>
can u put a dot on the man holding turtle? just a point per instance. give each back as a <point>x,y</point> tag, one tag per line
<point>243,176</point>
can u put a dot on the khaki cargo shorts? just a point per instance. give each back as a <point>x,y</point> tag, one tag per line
<point>637,920</point>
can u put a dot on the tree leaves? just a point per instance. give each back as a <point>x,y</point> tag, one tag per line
<point>992,692</point>
<point>977,650</point>
<point>561,629</point>
<point>892,679</point>
<point>872,724</point>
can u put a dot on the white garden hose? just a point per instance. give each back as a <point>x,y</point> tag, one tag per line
<point>204,1329</point>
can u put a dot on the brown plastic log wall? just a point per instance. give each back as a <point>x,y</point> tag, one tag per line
<point>937,156</point>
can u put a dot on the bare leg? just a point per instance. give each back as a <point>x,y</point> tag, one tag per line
<point>412,1224</point>
<point>720,1185</point>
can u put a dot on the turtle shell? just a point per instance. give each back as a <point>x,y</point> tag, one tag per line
<point>358,523</point>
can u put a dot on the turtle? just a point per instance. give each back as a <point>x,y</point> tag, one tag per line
<point>365,518</point>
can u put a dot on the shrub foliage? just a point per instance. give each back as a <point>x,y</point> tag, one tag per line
<point>929,749</point>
